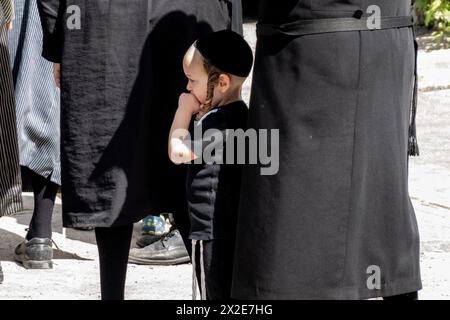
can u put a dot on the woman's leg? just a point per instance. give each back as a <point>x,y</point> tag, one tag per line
<point>36,252</point>
<point>44,201</point>
<point>113,248</point>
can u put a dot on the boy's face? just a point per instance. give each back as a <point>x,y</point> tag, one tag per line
<point>196,74</point>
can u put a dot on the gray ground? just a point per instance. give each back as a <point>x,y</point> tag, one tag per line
<point>75,274</point>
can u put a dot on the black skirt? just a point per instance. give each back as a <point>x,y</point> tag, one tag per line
<point>339,207</point>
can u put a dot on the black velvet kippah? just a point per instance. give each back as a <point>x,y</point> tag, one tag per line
<point>227,51</point>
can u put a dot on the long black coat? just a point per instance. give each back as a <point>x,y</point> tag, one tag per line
<point>339,208</point>
<point>121,78</point>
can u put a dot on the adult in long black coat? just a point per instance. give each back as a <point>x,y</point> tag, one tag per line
<point>336,221</point>
<point>121,76</point>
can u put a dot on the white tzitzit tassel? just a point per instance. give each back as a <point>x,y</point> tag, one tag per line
<point>202,272</point>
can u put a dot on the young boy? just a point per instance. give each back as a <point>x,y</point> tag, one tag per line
<point>216,67</point>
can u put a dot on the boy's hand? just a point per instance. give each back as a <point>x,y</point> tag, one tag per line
<point>189,103</point>
<point>187,106</point>
<point>9,25</point>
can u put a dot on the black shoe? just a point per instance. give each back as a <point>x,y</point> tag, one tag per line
<point>36,253</point>
<point>147,239</point>
<point>170,250</point>
<point>1,274</point>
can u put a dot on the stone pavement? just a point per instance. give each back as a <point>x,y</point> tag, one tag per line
<point>75,273</point>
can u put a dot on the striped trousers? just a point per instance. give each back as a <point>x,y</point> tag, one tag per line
<point>10,179</point>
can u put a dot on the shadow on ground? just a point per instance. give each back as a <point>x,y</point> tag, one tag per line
<point>7,252</point>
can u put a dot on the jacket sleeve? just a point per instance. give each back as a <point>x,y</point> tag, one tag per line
<point>52,14</point>
<point>7,7</point>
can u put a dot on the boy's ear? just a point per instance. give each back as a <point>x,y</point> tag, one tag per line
<point>224,82</point>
